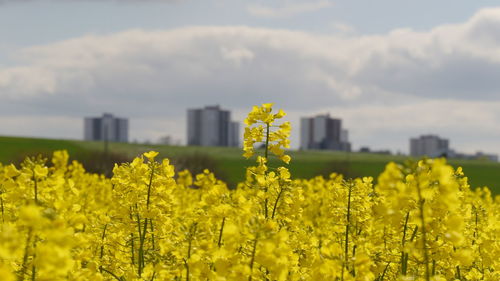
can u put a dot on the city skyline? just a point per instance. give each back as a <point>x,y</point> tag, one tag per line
<point>212,126</point>
<point>389,76</point>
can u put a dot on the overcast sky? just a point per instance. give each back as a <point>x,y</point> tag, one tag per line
<point>389,69</point>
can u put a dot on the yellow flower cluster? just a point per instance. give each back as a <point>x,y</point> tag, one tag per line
<point>261,128</point>
<point>418,222</point>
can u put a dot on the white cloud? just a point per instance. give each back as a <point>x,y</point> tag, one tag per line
<point>237,55</point>
<point>343,28</point>
<point>118,1</point>
<point>287,8</point>
<point>386,87</point>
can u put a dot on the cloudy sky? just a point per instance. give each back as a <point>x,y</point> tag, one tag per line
<point>390,70</point>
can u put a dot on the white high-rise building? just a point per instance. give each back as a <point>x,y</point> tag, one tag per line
<point>323,132</point>
<point>106,128</point>
<point>211,126</point>
<point>429,145</point>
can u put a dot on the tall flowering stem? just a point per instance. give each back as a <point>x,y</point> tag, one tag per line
<point>421,202</point>
<point>259,123</point>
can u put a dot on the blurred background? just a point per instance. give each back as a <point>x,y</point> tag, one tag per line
<point>363,83</point>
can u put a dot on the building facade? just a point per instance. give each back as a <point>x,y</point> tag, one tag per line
<point>486,156</point>
<point>211,126</point>
<point>106,128</point>
<point>323,132</point>
<point>429,145</point>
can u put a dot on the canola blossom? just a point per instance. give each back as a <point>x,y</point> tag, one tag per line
<point>417,222</point>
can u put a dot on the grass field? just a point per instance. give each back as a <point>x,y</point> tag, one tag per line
<point>305,164</point>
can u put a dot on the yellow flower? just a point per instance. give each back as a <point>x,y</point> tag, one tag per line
<point>286,158</point>
<point>280,114</point>
<point>151,155</point>
<point>40,171</point>
<point>60,159</point>
<point>11,171</point>
<point>31,215</point>
<point>150,222</point>
<point>267,106</point>
<point>6,274</point>
<point>260,129</point>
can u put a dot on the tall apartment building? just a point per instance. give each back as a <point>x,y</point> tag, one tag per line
<point>429,145</point>
<point>106,128</point>
<point>323,132</point>
<point>211,126</point>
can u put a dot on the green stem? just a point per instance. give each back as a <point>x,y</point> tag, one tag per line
<point>385,237</point>
<point>404,261</point>
<point>265,206</point>
<point>406,255</point>
<point>3,211</point>
<point>187,269</point>
<point>152,234</point>
<point>150,184</point>
<point>267,141</point>
<point>33,267</point>
<point>132,248</point>
<point>132,242</point>
<point>142,235</point>
<point>33,272</point>
<point>405,228</point>
<point>414,234</point>
<point>219,243</point>
<point>25,256</point>
<point>476,229</point>
<point>266,155</point>
<point>346,250</point>
<point>36,187</point>
<point>383,273</point>
<point>424,233</point>
<point>459,277</point>
<point>102,241</point>
<point>142,242</point>
<point>110,273</point>
<point>353,272</point>
<point>139,261</point>
<point>276,203</point>
<point>252,260</point>
<point>192,232</point>
<point>404,264</point>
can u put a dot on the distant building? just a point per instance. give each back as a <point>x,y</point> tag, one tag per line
<point>486,156</point>
<point>478,156</point>
<point>165,140</point>
<point>107,128</point>
<point>433,146</point>
<point>211,126</point>
<point>234,134</point>
<point>429,145</point>
<point>323,132</point>
<point>366,149</point>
